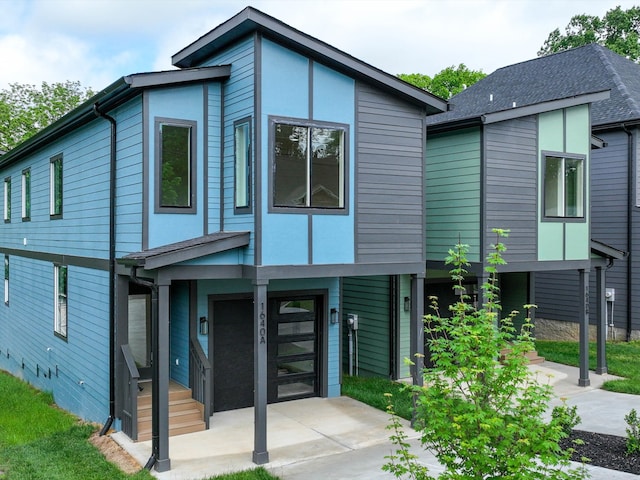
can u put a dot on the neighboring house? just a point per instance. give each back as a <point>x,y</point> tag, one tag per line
<point>615,190</point>
<point>189,228</point>
<point>512,153</point>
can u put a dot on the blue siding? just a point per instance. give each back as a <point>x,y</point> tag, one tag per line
<point>238,103</point>
<point>179,348</point>
<point>129,177</point>
<point>182,103</point>
<point>73,370</point>
<point>212,180</point>
<point>84,228</point>
<point>285,93</point>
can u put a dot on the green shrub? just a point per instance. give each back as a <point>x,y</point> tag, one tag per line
<point>482,417</point>
<point>633,432</point>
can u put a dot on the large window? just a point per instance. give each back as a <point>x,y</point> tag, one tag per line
<point>60,300</point>
<point>564,180</point>
<point>7,199</point>
<point>175,144</point>
<point>26,194</point>
<point>55,187</point>
<point>308,166</point>
<point>242,148</point>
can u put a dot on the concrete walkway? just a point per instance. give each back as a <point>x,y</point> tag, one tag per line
<point>339,438</point>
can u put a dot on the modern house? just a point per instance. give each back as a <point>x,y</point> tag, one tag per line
<point>511,153</point>
<point>187,230</point>
<point>615,187</point>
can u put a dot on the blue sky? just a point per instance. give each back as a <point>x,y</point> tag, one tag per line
<point>98,41</point>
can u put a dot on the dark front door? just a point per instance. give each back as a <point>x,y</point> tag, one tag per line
<point>292,352</point>
<point>232,354</point>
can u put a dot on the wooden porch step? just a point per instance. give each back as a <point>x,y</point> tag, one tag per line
<point>532,356</point>
<point>185,413</point>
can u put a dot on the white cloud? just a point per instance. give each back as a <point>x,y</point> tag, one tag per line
<point>98,41</point>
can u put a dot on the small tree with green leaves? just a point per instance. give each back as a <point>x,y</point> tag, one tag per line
<point>482,412</point>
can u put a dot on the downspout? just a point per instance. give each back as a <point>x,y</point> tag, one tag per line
<point>112,267</point>
<point>154,371</point>
<point>630,200</point>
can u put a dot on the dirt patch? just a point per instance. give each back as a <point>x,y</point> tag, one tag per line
<point>115,454</point>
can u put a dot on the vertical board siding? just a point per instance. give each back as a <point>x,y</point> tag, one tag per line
<point>369,297</point>
<point>511,174</point>
<point>453,192</point>
<point>214,143</point>
<point>179,334</point>
<point>389,173</point>
<point>404,352</point>
<point>74,370</point>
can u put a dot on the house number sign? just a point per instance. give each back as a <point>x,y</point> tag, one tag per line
<point>262,331</point>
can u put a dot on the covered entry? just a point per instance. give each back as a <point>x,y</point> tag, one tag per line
<point>293,348</point>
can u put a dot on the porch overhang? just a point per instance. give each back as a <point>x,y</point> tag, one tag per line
<point>605,252</point>
<point>173,253</point>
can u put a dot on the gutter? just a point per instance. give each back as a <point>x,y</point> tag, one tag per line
<point>112,265</point>
<point>630,184</point>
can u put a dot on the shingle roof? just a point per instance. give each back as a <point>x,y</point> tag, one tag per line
<point>566,74</point>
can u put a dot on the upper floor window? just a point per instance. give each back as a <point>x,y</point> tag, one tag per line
<point>308,165</point>
<point>26,194</point>
<point>55,187</point>
<point>564,180</point>
<point>175,166</point>
<point>7,199</point>
<point>242,149</point>
<point>60,300</point>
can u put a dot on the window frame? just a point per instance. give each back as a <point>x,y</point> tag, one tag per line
<point>7,200</point>
<point>193,191</point>
<point>309,124</point>
<point>60,325</point>
<point>564,156</point>
<point>243,179</point>
<point>6,279</point>
<point>26,194</point>
<point>56,190</point>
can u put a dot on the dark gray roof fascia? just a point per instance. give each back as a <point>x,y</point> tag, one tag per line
<point>187,250</point>
<point>155,79</point>
<point>604,250</point>
<point>250,19</point>
<point>115,94</point>
<point>537,108</point>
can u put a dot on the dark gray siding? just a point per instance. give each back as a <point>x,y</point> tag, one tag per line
<point>511,173</point>
<point>635,247</point>
<point>389,175</point>
<point>556,292</point>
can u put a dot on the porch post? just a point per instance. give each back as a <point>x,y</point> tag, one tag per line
<point>260,318</point>
<point>601,365</point>
<point>161,383</point>
<point>583,312</point>
<point>416,329</point>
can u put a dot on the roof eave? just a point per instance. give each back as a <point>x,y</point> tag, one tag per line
<point>250,20</point>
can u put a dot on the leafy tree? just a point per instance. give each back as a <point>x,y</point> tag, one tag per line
<point>447,82</point>
<point>26,109</point>
<point>618,30</point>
<point>481,411</point>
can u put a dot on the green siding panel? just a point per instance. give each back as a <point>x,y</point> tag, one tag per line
<point>551,131</point>
<point>404,335</point>
<point>369,298</point>
<point>578,135</point>
<point>453,192</point>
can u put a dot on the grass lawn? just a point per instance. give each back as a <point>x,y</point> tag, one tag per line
<point>39,441</point>
<point>623,359</point>
<point>371,390</point>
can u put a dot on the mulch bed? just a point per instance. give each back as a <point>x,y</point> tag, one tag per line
<point>607,451</point>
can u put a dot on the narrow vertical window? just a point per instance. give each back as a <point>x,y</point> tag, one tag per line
<point>26,194</point>
<point>7,199</point>
<point>6,279</point>
<point>175,166</point>
<point>55,194</point>
<point>242,146</point>
<point>60,300</point>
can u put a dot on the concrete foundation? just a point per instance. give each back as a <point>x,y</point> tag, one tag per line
<point>556,330</point>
